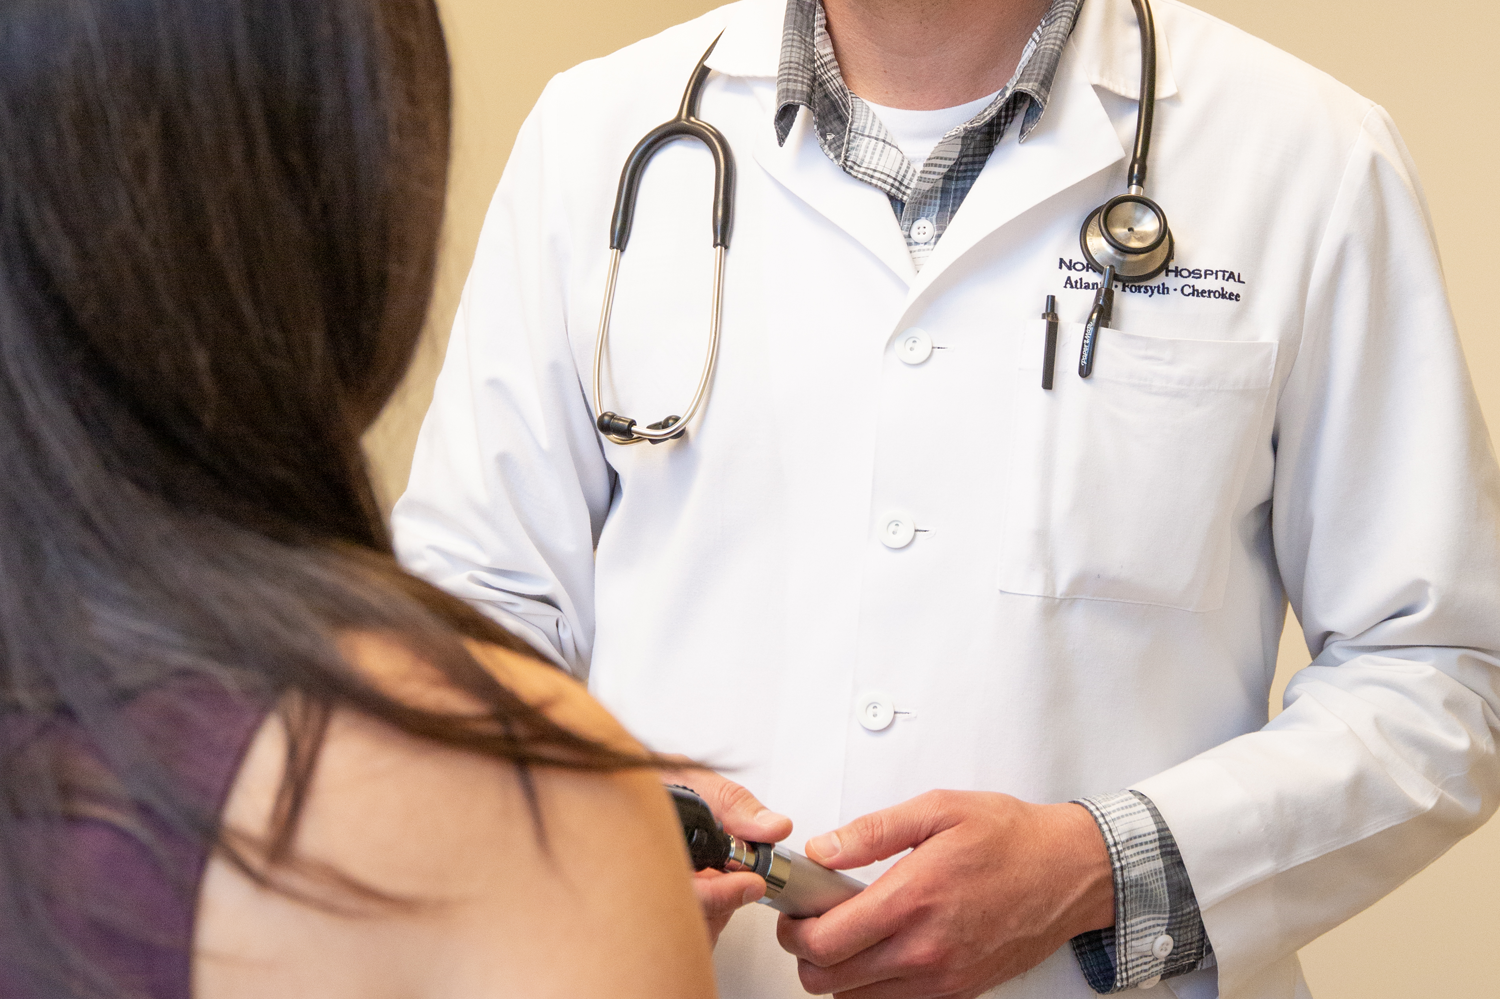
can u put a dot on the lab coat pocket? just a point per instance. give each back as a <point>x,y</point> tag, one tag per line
<point>1122,486</point>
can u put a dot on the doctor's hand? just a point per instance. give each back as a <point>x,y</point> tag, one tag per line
<point>719,893</point>
<point>992,886</point>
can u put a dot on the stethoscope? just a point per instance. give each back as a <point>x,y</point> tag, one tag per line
<point>1126,239</point>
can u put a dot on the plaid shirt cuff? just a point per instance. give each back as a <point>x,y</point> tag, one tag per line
<point>1158,931</point>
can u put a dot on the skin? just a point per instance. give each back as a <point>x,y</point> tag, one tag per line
<point>721,894</point>
<point>927,54</point>
<point>608,911</point>
<point>993,885</point>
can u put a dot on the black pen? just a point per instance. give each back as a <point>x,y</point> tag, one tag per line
<point>1049,352</point>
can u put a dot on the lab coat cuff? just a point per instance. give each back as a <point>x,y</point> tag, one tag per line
<point>1158,931</point>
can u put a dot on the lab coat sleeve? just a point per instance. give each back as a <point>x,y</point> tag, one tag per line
<point>509,487</point>
<point>1385,513</point>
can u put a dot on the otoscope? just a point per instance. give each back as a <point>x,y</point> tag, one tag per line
<point>795,885</point>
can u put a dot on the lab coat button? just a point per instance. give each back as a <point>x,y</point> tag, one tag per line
<point>922,230</point>
<point>1161,947</point>
<point>896,530</point>
<point>874,711</point>
<point>914,346</point>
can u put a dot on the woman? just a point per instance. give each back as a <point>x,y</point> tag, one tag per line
<point>241,753</point>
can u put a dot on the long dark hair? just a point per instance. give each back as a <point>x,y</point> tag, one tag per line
<point>218,225</point>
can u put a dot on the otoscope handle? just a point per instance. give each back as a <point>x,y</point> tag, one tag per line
<point>806,888</point>
<point>795,885</point>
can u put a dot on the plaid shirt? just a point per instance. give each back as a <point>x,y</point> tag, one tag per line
<point>1158,931</point>
<point>856,139</point>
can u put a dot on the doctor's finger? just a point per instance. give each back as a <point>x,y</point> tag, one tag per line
<point>740,811</point>
<point>722,895</point>
<point>898,968</point>
<point>875,970</point>
<point>883,834</point>
<point>851,928</point>
<point>908,988</point>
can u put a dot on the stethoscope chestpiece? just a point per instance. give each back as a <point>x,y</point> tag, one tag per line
<point>1128,233</point>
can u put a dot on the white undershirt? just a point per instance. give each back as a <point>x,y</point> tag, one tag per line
<point>917,133</point>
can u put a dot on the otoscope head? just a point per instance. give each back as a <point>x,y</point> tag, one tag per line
<point>708,844</point>
<point>794,884</point>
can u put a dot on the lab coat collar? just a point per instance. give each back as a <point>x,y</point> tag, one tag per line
<point>750,47</point>
<point>1074,140</point>
<point>751,44</point>
<point>1106,37</point>
<point>1108,42</point>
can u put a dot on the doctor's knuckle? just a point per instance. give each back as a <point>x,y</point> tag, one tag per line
<point>949,982</point>
<point>938,802</point>
<point>931,954</point>
<point>814,979</point>
<point>821,949</point>
<point>925,805</point>
<point>873,828</point>
<point>735,798</point>
<point>791,933</point>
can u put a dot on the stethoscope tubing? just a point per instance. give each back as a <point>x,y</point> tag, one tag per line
<point>1146,103</point>
<point>716,314</point>
<point>686,124</point>
<point>1130,263</point>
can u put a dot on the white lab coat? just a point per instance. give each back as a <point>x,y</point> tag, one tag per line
<point>1095,593</point>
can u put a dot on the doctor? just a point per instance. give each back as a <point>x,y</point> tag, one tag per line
<point>907,596</point>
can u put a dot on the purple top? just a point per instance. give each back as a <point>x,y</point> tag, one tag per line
<point>128,908</point>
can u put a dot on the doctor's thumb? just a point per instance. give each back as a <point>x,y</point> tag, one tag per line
<point>741,812</point>
<point>876,836</point>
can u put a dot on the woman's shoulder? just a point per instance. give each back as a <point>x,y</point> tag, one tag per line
<point>490,896</point>
<point>401,672</point>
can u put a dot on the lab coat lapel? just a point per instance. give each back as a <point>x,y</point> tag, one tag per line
<point>750,47</point>
<point>859,209</point>
<point>1074,141</point>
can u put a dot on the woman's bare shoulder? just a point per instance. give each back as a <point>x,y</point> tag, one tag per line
<point>499,904</point>
<point>545,687</point>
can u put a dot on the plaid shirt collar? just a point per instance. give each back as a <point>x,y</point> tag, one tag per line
<point>854,138</point>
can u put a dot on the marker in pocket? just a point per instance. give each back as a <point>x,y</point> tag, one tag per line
<point>1099,317</point>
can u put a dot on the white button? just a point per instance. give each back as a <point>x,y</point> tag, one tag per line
<point>914,346</point>
<point>874,710</point>
<point>896,530</point>
<point>1161,947</point>
<point>922,230</point>
<point>1150,983</point>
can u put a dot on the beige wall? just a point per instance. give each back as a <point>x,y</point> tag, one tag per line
<point>1431,64</point>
